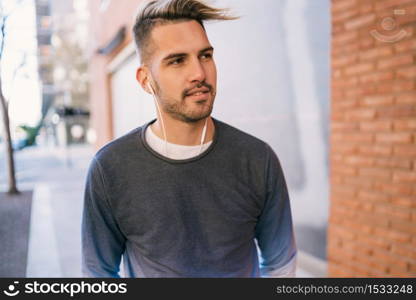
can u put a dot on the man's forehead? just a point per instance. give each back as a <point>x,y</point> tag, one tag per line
<point>184,36</point>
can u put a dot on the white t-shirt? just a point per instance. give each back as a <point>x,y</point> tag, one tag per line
<point>175,151</point>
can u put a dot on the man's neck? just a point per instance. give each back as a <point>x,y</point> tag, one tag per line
<point>182,133</point>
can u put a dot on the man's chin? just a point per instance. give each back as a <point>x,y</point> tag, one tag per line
<point>195,117</point>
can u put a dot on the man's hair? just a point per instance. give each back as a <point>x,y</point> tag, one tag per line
<point>158,12</point>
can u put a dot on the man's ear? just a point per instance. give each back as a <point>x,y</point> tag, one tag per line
<point>142,78</point>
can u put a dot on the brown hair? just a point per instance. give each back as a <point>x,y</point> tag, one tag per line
<point>159,12</point>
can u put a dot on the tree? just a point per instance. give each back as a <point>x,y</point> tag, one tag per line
<point>11,174</point>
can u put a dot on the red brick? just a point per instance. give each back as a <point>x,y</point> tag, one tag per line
<point>396,86</point>
<point>344,126</point>
<point>405,150</point>
<point>393,189</point>
<point>356,160</point>
<point>395,61</point>
<point>353,137</point>
<point>359,68</point>
<point>393,162</point>
<point>344,83</point>
<point>396,111</point>
<point>366,42</point>
<point>409,16</point>
<point>406,73</point>
<point>335,179</point>
<point>404,125</point>
<point>342,16</point>
<point>395,137</point>
<point>345,103</point>
<point>341,213</point>
<point>337,115</point>
<point>377,100</point>
<point>358,182</point>
<point>337,28</point>
<point>360,21</point>
<point>360,114</point>
<point>374,53</point>
<point>345,49</point>
<point>385,4</point>
<point>360,271</point>
<point>357,227</point>
<point>375,126</point>
<point>366,7</point>
<point>377,269</point>
<point>342,5</point>
<point>388,258</point>
<point>372,196</point>
<point>379,150</point>
<point>336,73</point>
<point>406,202</point>
<point>390,211</point>
<point>343,191</point>
<point>403,226</point>
<point>406,98</point>
<point>392,235</point>
<point>404,176</point>
<point>373,241</point>
<point>378,173</point>
<point>344,60</point>
<point>405,46</point>
<point>336,230</point>
<point>404,250</point>
<point>343,170</point>
<point>376,77</point>
<point>344,148</point>
<point>344,38</point>
<point>348,204</point>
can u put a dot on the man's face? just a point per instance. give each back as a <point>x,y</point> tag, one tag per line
<point>183,70</point>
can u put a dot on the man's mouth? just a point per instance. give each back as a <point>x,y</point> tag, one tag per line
<point>199,95</point>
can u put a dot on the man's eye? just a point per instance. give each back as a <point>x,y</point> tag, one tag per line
<point>206,55</point>
<point>176,61</point>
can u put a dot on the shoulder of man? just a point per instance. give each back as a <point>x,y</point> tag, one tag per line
<point>241,141</point>
<point>120,148</point>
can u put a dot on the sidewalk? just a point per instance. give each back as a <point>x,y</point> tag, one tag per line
<point>57,179</point>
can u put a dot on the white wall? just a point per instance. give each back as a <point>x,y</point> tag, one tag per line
<point>273,82</point>
<point>132,107</point>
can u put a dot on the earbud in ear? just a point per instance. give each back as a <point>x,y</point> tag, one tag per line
<point>150,87</point>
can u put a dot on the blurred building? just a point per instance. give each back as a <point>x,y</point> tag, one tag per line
<point>62,39</point>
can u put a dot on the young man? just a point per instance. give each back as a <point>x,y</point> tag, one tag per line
<point>185,195</point>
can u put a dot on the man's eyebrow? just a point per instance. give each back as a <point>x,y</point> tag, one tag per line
<point>206,49</point>
<point>177,55</point>
<point>174,55</point>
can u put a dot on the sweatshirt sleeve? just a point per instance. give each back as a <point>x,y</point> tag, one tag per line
<point>274,229</point>
<point>103,243</point>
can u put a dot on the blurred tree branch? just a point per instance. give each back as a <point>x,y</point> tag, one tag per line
<point>11,173</point>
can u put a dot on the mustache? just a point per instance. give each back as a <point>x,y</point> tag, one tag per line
<point>198,86</point>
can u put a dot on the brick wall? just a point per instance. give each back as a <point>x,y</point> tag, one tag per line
<point>372,226</point>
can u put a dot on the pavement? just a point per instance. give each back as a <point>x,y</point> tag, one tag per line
<point>57,177</point>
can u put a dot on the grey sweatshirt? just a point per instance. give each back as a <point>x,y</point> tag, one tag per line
<point>199,217</point>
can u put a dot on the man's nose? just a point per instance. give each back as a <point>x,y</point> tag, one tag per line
<point>197,72</point>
